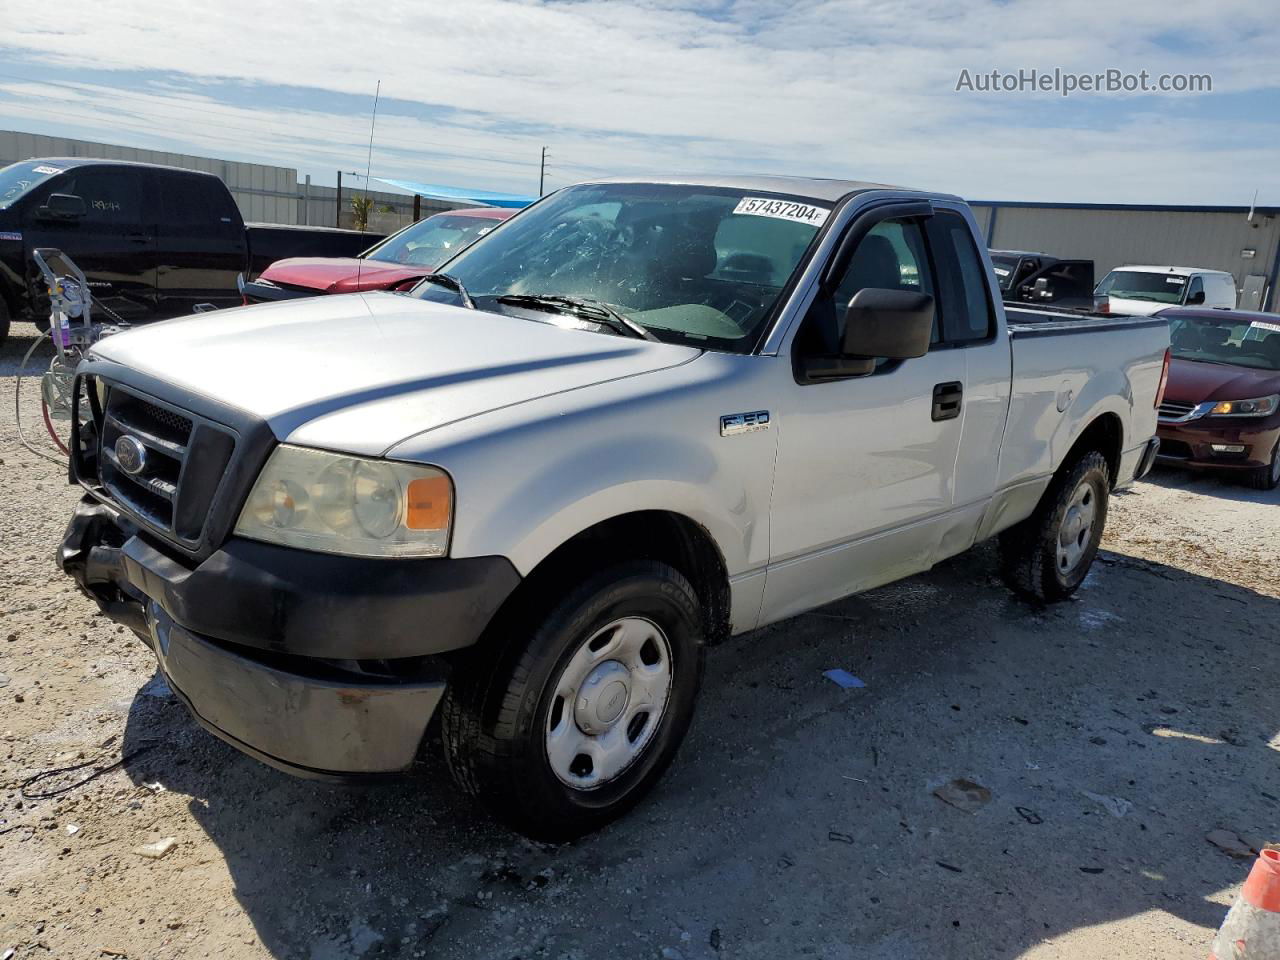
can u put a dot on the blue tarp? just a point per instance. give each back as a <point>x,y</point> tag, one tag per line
<point>435,191</point>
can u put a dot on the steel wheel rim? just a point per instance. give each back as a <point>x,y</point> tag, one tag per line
<point>1076,530</point>
<point>608,702</point>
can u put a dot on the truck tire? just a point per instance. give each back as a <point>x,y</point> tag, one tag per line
<point>571,724</point>
<point>1047,556</point>
<point>1268,477</point>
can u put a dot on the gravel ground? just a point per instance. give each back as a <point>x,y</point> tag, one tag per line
<point>1113,732</point>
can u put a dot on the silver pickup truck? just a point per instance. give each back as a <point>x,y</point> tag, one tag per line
<point>636,418</point>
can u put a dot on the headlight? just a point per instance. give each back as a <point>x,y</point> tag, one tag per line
<point>333,503</point>
<point>1260,407</point>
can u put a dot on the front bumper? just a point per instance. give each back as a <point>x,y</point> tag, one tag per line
<point>1190,443</point>
<point>320,665</point>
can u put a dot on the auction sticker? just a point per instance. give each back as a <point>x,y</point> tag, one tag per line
<point>47,170</point>
<point>1260,325</point>
<point>7,235</point>
<point>783,210</point>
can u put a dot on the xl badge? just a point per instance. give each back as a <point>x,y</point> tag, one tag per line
<point>732,424</point>
<point>131,455</point>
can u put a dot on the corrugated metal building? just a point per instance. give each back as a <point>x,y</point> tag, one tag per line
<point>1111,235</point>
<point>265,194</point>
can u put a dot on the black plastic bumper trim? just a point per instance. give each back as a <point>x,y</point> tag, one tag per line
<point>289,601</point>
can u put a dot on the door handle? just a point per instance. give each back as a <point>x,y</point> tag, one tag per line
<point>138,238</point>
<point>946,400</point>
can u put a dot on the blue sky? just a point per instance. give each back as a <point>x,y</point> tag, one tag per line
<point>472,90</point>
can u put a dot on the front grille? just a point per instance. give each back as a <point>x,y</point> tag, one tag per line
<point>161,464</point>
<point>1171,410</point>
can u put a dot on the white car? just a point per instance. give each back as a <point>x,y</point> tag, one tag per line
<point>1143,291</point>
<point>636,418</point>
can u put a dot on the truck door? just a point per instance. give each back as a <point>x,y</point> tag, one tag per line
<point>970,332</point>
<point>865,473</point>
<point>201,244</point>
<point>106,234</point>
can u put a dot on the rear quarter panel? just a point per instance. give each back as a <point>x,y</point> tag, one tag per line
<point>1064,381</point>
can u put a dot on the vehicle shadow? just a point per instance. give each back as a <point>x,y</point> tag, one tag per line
<point>799,819</point>
<point>1221,486</point>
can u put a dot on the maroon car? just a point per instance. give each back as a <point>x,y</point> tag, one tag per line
<point>1221,408</point>
<point>397,263</point>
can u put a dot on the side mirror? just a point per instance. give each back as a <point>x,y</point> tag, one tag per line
<point>1195,299</point>
<point>62,206</point>
<point>889,324</point>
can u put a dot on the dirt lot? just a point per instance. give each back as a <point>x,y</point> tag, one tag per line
<point>799,819</point>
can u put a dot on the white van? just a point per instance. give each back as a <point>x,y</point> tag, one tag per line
<point>1141,291</point>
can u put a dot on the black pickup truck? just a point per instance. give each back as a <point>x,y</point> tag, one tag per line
<point>153,241</point>
<point>1038,279</point>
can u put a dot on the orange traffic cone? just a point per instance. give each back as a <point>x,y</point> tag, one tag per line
<point>1252,928</point>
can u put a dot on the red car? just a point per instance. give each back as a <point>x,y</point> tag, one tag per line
<point>397,263</point>
<point>1221,409</point>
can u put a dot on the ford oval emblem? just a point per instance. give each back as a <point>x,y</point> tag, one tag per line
<point>131,455</point>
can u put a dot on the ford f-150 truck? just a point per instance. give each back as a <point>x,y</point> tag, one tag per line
<point>636,418</point>
<point>153,241</point>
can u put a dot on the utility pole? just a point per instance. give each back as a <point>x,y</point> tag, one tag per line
<point>337,221</point>
<point>542,172</point>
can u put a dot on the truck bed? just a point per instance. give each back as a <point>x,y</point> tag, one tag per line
<point>1025,323</point>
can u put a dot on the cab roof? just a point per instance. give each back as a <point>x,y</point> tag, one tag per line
<point>816,188</point>
<point>67,163</point>
<point>1173,271</point>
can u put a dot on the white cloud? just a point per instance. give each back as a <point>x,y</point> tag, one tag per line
<point>860,88</point>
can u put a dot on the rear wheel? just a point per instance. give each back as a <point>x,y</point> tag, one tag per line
<point>1268,477</point>
<point>1048,555</point>
<point>567,730</point>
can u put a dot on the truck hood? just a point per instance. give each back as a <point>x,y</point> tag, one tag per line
<point>342,274</point>
<point>1135,308</point>
<point>1191,381</point>
<point>360,373</point>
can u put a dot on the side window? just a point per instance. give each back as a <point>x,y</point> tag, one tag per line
<point>1195,287</point>
<point>892,257</point>
<point>962,280</point>
<point>193,202</point>
<point>111,197</point>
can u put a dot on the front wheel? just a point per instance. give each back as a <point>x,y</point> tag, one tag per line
<point>1268,477</point>
<point>1047,556</point>
<point>565,731</point>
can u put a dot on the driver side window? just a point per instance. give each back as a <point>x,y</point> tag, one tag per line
<point>890,257</point>
<point>1195,291</point>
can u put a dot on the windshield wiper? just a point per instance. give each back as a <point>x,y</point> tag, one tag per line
<point>453,283</point>
<point>596,311</point>
<point>1136,296</point>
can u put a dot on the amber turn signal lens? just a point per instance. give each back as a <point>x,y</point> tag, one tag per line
<point>428,503</point>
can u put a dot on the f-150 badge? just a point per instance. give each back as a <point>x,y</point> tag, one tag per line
<point>732,424</point>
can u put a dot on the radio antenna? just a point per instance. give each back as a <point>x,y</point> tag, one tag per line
<point>368,170</point>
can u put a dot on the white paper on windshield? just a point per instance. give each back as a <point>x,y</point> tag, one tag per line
<point>1001,271</point>
<point>1262,325</point>
<point>45,169</point>
<point>1178,280</point>
<point>782,210</point>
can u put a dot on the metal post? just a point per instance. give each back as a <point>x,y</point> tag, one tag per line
<point>337,221</point>
<point>417,207</point>
<point>305,220</point>
<point>542,171</point>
